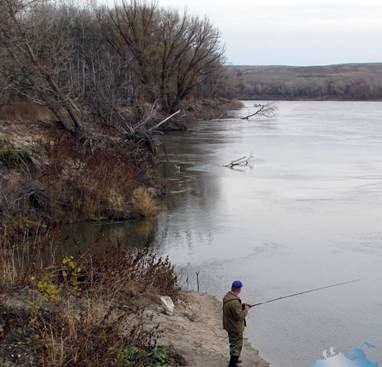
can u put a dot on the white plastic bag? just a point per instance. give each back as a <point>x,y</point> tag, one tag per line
<point>168,305</point>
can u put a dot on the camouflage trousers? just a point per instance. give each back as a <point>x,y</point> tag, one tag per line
<point>235,344</point>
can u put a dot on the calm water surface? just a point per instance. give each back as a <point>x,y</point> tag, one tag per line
<point>307,212</point>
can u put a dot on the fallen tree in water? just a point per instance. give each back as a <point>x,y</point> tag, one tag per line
<point>243,161</point>
<point>267,110</point>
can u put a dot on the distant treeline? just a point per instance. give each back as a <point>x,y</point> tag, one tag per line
<point>337,82</point>
<point>93,62</point>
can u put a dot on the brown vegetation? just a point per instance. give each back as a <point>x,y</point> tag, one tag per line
<point>88,312</point>
<point>22,245</point>
<point>92,180</point>
<point>57,179</point>
<point>105,65</point>
<point>144,202</point>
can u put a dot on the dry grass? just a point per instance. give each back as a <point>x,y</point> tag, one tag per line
<point>89,312</point>
<point>94,327</point>
<point>144,202</point>
<point>91,333</point>
<point>89,183</point>
<point>25,251</point>
<point>76,179</point>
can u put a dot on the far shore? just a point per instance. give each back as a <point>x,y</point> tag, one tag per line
<point>281,99</point>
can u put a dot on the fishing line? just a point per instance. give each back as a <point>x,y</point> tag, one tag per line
<point>305,292</point>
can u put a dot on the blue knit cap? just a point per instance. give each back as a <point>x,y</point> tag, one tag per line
<point>237,284</point>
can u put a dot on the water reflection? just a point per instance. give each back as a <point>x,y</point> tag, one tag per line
<point>81,238</point>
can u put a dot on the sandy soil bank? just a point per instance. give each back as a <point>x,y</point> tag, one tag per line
<point>195,331</point>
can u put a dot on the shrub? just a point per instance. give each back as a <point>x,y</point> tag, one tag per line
<point>129,274</point>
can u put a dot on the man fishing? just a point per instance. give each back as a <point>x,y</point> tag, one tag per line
<point>234,313</point>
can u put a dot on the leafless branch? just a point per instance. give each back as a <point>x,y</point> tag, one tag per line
<point>242,161</point>
<point>268,110</point>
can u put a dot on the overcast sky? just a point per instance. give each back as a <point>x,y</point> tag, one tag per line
<point>293,32</point>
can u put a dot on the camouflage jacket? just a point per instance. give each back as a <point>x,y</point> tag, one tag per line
<point>233,314</point>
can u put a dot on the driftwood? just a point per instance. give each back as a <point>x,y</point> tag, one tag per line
<point>158,125</point>
<point>243,161</point>
<point>265,110</point>
<point>149,116</point>
<point>141,127</point>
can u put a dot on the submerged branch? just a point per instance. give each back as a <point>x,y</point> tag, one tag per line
<point>243,161</point>
<point>268,110</point>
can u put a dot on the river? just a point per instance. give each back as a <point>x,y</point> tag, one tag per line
<point>305,213</point>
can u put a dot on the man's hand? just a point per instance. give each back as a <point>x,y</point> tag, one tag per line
<point>246,309</point>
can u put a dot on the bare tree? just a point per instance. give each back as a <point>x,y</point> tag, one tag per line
<point>198,57</point>
<point>132,30</point>
<point>168,53</point>
<point>38,54</point>
<point>127,66</point>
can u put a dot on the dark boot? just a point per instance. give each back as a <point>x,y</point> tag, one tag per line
<point>233,361</point>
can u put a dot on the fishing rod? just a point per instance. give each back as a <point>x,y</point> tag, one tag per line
<point>304,292</point>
